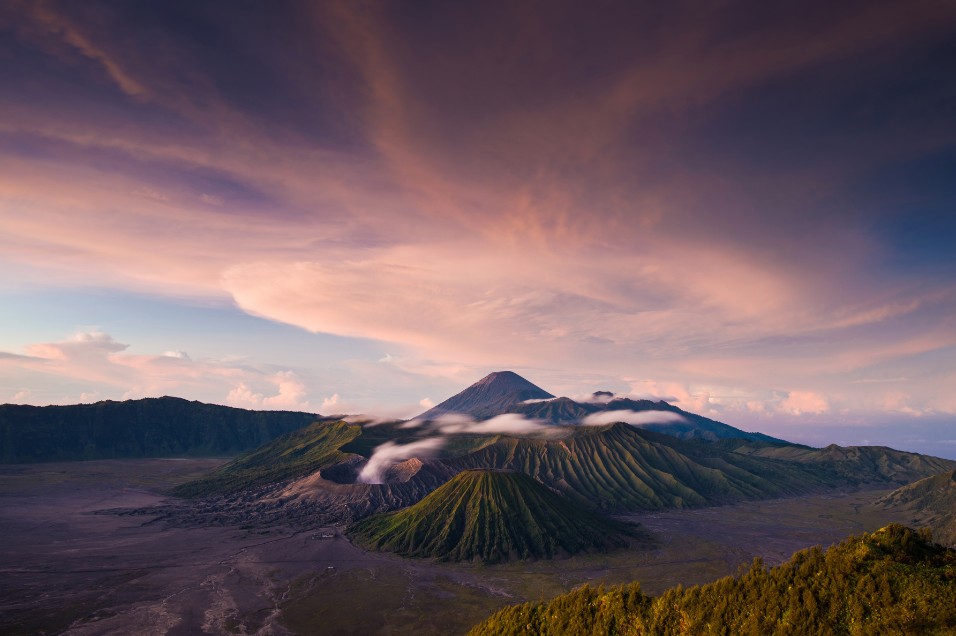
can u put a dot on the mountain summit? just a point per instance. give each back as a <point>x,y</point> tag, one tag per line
<point>507,392</point>
<point>494,394</point>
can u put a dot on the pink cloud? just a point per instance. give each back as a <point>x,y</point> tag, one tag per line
<point>800,402</point>
<point>97,361</point>
<point>531,232</point>
<point>290,395</point>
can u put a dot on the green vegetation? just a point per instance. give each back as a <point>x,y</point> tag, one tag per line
<point>612,468</point>
<point>490,516</point>
<point>376,434</point>
<point>892,581</point>
<point>620,467</point>
<point>295,454</point>
<point>152,427</point>
<point>932,503</point>
<point>849,464</point>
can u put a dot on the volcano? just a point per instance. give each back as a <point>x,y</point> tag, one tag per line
<point>494,394</point>
<point>491,516</point>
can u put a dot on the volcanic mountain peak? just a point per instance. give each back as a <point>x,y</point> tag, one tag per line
<point>507,382</point>
<point>494,394</point>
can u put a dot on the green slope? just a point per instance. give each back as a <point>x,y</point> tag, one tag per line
<point>490,516</point>
<point>850,464</point>
<point>614,468</point>
<point>619,467</point>
<point>931,502</point>
<point>892,581</point>
<point>293,455</point>
<point>151,427</point>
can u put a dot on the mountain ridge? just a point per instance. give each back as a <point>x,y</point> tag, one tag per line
<point>503,392</point>
<point>148,427</point>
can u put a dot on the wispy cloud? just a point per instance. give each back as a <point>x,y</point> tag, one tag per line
<point>97,360</point>
<point>505,424</point>
<point>634,418</point>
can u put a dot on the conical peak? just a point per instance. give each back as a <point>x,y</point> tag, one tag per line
<point>506,379</point>
<point>494,394</point>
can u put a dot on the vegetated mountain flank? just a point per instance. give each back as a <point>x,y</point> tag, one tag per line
<point>890,581</point>
<point>623,468</point>
<point>932,504</point>
<point>313,473</point>
<point>294,454</point>
<point>150,427</point>
<point>612,468</point>
<point>507,392</point>
<point>494,394</point>
<point>854,464</point>
<point>491,516</point>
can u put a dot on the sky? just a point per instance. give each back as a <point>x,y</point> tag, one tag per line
<point>745,208</point>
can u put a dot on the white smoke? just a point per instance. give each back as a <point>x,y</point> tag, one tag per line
<point>390,453</point>
<point>634,418</point>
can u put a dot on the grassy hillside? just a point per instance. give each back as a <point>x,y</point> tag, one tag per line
<point>295,454</point>
<point>892,581</point>
<point>850,464</point>
<point>490,516</point>
<point>932,504</point>
<point>620,467</point>
<point>152,427</point>
<point>613,468</point>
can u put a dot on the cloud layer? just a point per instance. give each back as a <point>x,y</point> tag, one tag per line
<point>634,418</point>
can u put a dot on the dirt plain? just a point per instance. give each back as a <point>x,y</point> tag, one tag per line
<point>71,562</point>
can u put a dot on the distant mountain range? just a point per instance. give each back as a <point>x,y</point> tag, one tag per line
<point>504,392</point>
<point>151,427</point>
<point>489,489</point>
<point>615,468</point>
<point>171,427</point>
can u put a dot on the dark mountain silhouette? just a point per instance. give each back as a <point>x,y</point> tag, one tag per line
<point>691,426</point>
<point>151,427</point>
<point>931,502</point>
<point>491,516</point>
<point>494,394</point>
